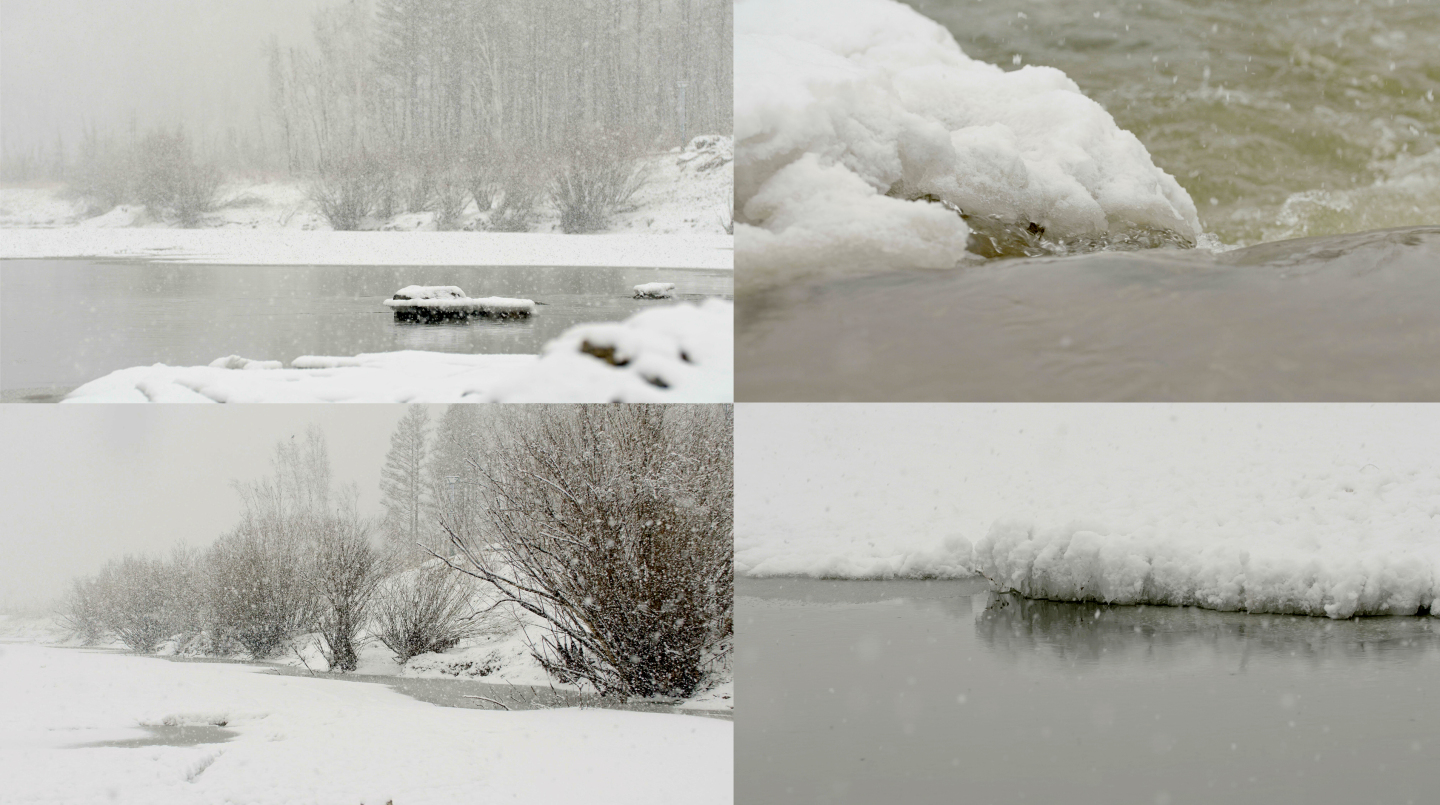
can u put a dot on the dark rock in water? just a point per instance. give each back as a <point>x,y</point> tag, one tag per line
<point>1346,317</point>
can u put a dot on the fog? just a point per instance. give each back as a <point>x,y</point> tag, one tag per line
<point>68,63</point>
<point>80,485</point>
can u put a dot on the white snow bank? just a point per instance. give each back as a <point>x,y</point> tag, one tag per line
<point>1338,541</point>
<point>299,740</point>
<point>848,110</point>
<point>291,247</point>
<point>679,353</point>
<point>1313,509</point>
<point>654,290</point>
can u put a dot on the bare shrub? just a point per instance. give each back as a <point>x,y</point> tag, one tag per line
<point>599,172</point>
<point>169,181</point>
<point>518,185</point>
<point>613,525</point>
<point>258,592</point>
<point>133,602</point>
<point>348,188</point>
<point>344,572</point>
<point>478,177</point>
<point>424,609</point>
<point>103,171</point>
<point>450,200</point>
<point>82,611</point>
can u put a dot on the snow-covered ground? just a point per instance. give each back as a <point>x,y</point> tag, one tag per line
<point>1319,510</point>
<point>676,220</point>
<point>303,740</point>
<point>864,129</point>
<point>672,353</point>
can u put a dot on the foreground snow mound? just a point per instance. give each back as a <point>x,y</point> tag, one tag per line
<point>676,353</point>
<point>679,353</point>
<point>869,140</point>
<point>1343,543</point>
<point>298,740</point>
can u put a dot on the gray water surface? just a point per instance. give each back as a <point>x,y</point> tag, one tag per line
<point>66,322</point>
<point>918,692</point>
<point>168,735</point>
<point>1335,318</point>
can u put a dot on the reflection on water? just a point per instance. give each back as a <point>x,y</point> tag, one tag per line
<point>1348,317</point>
<point>65,322</point>
<point>942,692</point>
<point>1018,629</point>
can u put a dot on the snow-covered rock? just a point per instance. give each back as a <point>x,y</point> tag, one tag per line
<point>655,290</point>
<point>428,301</point>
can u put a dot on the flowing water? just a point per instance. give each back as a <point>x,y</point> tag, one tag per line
<point>942,692</point>
<point>1282,119</point>
<point>66,322</point>
<point>1334,318</point>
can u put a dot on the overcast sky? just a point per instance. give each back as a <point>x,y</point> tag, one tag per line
<point>200,62</point>
<point>82,484</point>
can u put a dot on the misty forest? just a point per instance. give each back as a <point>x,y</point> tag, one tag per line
<point>486,114</point>
<point>597,537</point>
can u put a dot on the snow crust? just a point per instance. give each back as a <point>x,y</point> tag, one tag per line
<point>300,740</point>
<point>1299,509</point>
<point>849,110</point>
<point>675,353</point>
<point>654,290</point>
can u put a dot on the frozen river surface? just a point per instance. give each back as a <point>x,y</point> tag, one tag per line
<point>916,692</point>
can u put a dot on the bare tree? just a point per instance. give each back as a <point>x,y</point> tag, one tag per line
<point>403,485</point>
<point>613,525</point>
<point>344,572</point>
<point>425,609</point>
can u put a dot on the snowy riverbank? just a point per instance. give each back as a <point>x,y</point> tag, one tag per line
<point>319,741</point>
<point>1313,510</point>
<point>675,353</point>
<point>676,219</point>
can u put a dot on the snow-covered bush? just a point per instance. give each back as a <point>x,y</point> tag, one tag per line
<point>344,572</point>
<point>599,171</point>
<point>424,609</point>
<point>519,182</point>
<point>168,179</point>
<point>347,188</point>
<point>613,525</point>
<point>258,591</point>
<point>134,601</point>
<point>82,611</point>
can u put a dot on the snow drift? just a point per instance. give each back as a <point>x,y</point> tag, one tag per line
<point>869,140</point>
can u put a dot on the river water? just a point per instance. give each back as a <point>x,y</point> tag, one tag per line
<point>1333,318</point>
<point>66,322</point>
<point>1282,119</point>
<point>917,692</point>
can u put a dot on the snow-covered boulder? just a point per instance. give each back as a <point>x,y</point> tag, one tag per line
<point>655,290</point>
<point>428,302</point>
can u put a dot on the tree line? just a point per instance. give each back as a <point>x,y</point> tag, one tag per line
<point>607,527</point>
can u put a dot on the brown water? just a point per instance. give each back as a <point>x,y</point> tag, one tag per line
<point>1336,318</point>
<point>918,692</point>
<point>66,322</point>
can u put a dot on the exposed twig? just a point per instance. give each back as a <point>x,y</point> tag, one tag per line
<point>485,699</point>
